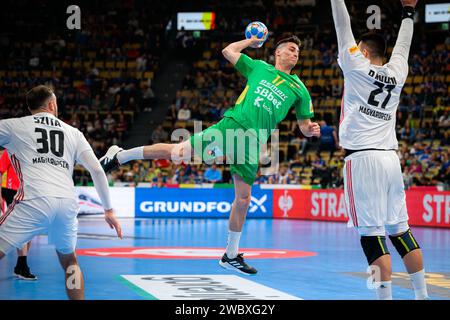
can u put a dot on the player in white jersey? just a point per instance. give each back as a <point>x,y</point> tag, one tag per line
<point>373,182</point>
<point>43,151</point>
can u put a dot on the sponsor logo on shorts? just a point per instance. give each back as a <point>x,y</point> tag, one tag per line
<point>188,253</point>
<point>203,287</point>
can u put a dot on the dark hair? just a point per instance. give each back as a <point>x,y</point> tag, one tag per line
<point>375,43</point>
<point>293,39</point>
<point>37,96</point>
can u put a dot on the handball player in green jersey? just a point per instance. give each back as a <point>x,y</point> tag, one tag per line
<point>270,93</point>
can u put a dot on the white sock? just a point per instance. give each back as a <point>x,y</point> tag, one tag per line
<point>419,284</point>
<point>131,154</point>
<point>384,291</point>
<point>233,244</point>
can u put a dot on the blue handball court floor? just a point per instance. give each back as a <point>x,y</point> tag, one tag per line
<point>178,259</point>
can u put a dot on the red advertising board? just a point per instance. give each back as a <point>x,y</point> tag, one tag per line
<point>425,208</point>
<point>310,204</point>
<point>431,208</point>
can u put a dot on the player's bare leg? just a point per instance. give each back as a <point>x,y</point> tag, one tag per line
<point>23,252</point>
<point>240,204</point>
<point>170,151</point>
<point>379,259</point>
<point>25,249</point>
<point>232,259</point>
<point>384,265</point>
<point>73,276</point>
<point>413,261</point>
<point>412,257</point>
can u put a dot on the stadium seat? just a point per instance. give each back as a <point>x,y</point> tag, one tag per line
<point>307,63</point>
<point>418,79</point>
<point>321,82</point>
<point>148,74</point>
<point>317,73</point>
<point>115,74</point>
<point>418,89</point>
<point>328,73</point>
<point>408,90</point>
<point>92,55</point>
<point>131,64</point>
<point>207,55</point>
<point>306,73</point>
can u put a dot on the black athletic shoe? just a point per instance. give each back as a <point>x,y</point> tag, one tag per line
<point>24,274</point>
<point>109,161</point>
<point>237,264</point>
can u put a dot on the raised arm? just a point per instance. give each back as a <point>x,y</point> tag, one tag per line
<point>88,160</point>
<point>232,52</point>
<point>342,24</point>
<point>400,52</point>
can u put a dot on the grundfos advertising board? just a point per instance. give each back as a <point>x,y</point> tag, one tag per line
<point>197,203</point>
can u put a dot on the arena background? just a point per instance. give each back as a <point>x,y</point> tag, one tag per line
<point>130,77</point>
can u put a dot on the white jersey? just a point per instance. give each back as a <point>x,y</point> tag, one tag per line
<point>43,151</point>
<point>370,101</point>
<point>371,93</point>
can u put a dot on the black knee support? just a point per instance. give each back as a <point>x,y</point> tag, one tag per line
<point>374,247</point>
<point>404,243</point>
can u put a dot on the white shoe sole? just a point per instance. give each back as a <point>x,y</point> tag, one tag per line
<point>23,278</point>
<point>228,266</point>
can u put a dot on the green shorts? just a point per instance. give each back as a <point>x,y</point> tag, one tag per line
<point>228,140</point>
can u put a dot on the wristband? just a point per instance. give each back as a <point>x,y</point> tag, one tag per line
<point>408,12</point>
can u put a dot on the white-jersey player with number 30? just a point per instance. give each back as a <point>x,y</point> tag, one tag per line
<point>43,151</point>
<point>373,183</point>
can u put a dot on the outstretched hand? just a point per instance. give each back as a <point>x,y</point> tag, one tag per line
<point>113,223</point>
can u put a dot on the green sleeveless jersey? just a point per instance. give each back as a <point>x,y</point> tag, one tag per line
<point>268,96</point>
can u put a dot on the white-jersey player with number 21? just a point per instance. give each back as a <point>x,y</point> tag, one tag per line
<point>43,151</point>
<point>373,183</point>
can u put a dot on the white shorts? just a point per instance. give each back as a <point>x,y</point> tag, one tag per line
<point>374,190</point>
<point>56,217</point>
